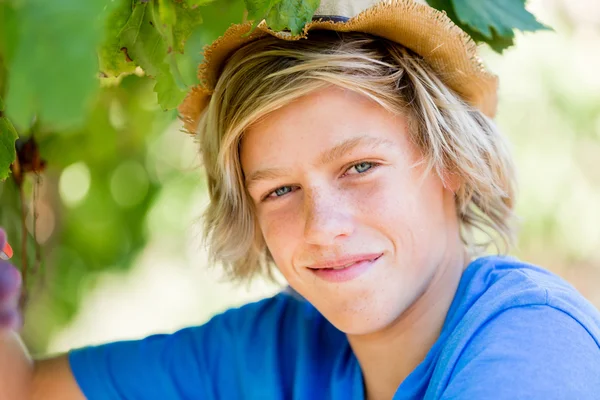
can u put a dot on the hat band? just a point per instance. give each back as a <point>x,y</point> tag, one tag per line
<point>334,18</point>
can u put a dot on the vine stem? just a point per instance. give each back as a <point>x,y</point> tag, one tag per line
<point>36,195</point>
<point>24,266</point>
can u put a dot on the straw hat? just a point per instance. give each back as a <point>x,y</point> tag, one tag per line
<point>430,33</point>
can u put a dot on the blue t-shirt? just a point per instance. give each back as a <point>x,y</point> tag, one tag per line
<point>512,331</point>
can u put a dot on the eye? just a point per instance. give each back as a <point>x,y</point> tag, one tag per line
<point>279,192</point>
<point>361,167</point>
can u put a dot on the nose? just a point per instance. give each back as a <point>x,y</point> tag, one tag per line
<point>327,218</point>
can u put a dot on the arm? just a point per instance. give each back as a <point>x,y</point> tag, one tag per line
<point>53,380</point>
<point>16,368</point>
<point>534,352</point>
<point>21,378</point>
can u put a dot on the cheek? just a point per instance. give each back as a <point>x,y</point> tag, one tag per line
<point>388,202</point>
<point>424,220</point>
<point>280,232</point>
<point>403,207</point>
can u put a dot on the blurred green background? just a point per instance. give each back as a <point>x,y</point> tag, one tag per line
<point>120,202</point>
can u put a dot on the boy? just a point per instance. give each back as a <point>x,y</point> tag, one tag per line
<point>361,162</point>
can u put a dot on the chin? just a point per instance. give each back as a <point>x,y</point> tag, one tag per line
<point>363,318</point>
<point>362,324</point>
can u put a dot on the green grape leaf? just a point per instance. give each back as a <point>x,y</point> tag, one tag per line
<point>53,74</point>
<point>258,9</point>
<point>489,21</point>
<point>8,135</point>
<point>292,15</point>
<point>142,41</point>
<point>168,94</point>
<point>146,40</point>
<point>188,18</point>
<point>166,12</point>
<point>177,22</point>
<point>217,17</point>
<point>497,42</point>
<point>113,59</point>
<point>282,15</point>
<point>502,16</point>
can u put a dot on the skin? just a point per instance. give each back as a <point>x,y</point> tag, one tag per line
<point>368,195</point>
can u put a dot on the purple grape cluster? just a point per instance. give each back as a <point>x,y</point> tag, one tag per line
<point>10,290</point>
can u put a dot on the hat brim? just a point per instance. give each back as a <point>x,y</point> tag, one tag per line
<point>450,52</point>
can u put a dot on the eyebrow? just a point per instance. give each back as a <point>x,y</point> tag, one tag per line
<point>326,157</point>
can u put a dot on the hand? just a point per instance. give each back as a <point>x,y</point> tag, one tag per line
<point>10,290</point>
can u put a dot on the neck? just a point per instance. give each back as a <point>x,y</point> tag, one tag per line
<point>388,356</point>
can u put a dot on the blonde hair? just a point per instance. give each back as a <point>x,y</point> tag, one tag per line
<point>453,137</point>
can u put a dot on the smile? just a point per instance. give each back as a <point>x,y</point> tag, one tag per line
<point>345,269</point>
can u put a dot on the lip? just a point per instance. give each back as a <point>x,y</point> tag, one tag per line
<point>360,264</point>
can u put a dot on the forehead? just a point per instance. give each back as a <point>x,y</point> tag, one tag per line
<point>319,121</point>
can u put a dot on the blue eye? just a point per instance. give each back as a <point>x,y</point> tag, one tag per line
<point>281,191</point>
<point>362,167</point>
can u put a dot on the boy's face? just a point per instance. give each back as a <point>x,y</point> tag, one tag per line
<point>335,180</point>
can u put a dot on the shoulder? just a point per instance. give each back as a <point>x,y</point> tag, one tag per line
<point>517,330</point>
<point>534,352</point>
<point>498,283</point>
<point>512,276</point>
<point>495,288</point>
